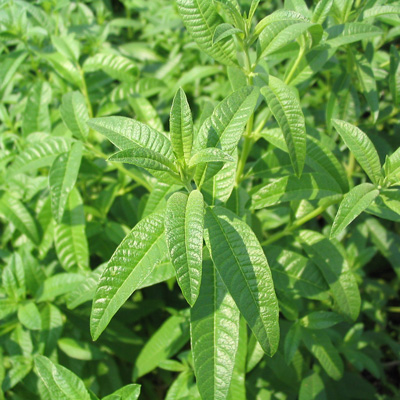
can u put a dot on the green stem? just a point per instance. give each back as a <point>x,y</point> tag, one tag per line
<point>295,65</point>
<point>137,178</point>
<point>85,92</point>
<point>301,221</point>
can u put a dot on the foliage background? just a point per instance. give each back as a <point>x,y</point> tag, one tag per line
<point>102,58</point>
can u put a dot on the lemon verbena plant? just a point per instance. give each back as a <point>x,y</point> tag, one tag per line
<point>200,199</point>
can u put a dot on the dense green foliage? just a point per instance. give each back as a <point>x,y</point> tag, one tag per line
<point>199,199</point>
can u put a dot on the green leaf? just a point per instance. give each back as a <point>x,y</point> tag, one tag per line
<point>145,112</point>
<point>58,285</point>
<point>61,383</point>
<point>126,133</point>
<point>387,242</point>
<point>184,225</point>
<point>127,392</point>
<point>52,325</point>
<point>15,211</point>
<point>9,66</point>
<point>181,126</point>
<point>309,186</point>
<point>214,335</point>
<point>210,154</point>
<point>367,80</point>
<point>29,316</point>
<point>321,11</point>
<point>75,114</point>
<point>292,271</point>
<point>148,159</point>
<point>165,343</point>
<point>39,154</point>
<point>118,67</point>
<point>69,236</point>
<point>378,11</point>
<point>335,269</point>
<point>224,31</point>
<point>292,342</point>
<point>340,35</point>
<point>62,178</point>
<point>132,262</point>
<point>319,344</point>
<point>218,189</point>
<point>244,269</point>
<point>157,199</point>
<point>285,106</point>
<point>80,350</point>
<point>36,117</point>
<point>361,146</point>
<point>280,33</point>
<point>201,19</point>
<point>394,75</point>
<point>85,291</point>
<point>65,68</point>
<point>353,204</point>
<point>312,388</point>
<point>281,19</point>
<point>224,128</point>
<point>320,320</point>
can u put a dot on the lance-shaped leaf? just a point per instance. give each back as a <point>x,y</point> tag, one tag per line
<point>9,66</point>
<point>224,31</point>
<point>219,188</point>
<point>214,335</point>
<point>336,271</point>
<point>309,186</point>
<point>340,35</point>
<point>320,345</point>
<point>181,126</point>
<point>132,262</point>
<point>285,17</point>
<point>39,154</point>
<point>75,114</point>
<point>15,211</point>
<point>36,117</point>
<point>224,128</point>
<point>125,133</point>
<point>321,11</point>
<point>146,158</point>
<point>312,386</point>
<point>165,343</point>
<point>118,67</point>
<point>69,236</point>
<point>280,33</point>
<point>394,75</point>
<point>380,10</point>
<point>60,382</point>
<point>211,154</point>
<point>62,178</point>
<point>353,204</point>
<point>201,19</point>
<point>184,225</point>
<point>361,146</point>
<point>285,107</point>
<point>241,262</point>
<point>367,80</point>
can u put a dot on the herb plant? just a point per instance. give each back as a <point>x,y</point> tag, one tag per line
<point>199,199</point>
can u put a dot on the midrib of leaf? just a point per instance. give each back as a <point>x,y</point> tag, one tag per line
<point>229,124</point>
<point>140,282</point>
<point>298,277</point>
<point>238,264</point>
<point>64,177</point>
<point>210,32</point>
<point>288,125</point>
